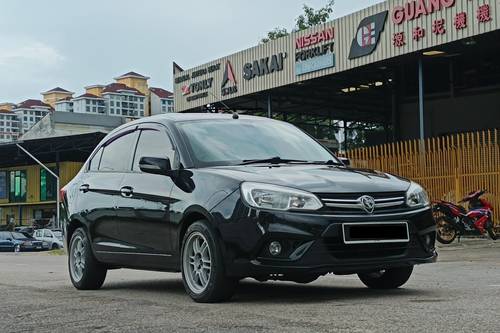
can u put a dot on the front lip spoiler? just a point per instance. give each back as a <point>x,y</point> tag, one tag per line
<point>257,268</point>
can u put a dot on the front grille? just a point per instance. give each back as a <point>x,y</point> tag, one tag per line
<point>350,203</point>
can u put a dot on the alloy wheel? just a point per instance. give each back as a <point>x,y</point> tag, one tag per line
<point>197,262</point>
<point>77,258</point>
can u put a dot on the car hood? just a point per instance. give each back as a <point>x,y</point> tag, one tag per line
<point>317,178</point>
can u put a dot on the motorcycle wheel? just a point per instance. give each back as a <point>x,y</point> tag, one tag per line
<point>446,233</point>
<point>491,231</point>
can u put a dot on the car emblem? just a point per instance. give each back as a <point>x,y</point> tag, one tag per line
<point>368,203</point>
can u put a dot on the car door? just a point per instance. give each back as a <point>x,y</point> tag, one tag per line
<point>47,236</point>
<point>144,226</point>
<point>5,245</point>
<point>100,187</point>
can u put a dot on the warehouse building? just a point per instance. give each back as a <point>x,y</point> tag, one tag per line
<point>401,69</point>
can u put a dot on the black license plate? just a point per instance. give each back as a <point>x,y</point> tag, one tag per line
<point>375,232</point>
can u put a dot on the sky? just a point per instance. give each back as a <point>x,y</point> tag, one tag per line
<point>72,44</point>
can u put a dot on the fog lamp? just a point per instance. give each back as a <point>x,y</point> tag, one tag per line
<point>275,248</point>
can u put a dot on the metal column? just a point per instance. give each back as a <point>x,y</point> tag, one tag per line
<point>53,174</point>
<point>269,106</point>
<point>421,97</point>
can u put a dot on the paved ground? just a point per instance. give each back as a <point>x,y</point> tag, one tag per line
<point>461,293</point>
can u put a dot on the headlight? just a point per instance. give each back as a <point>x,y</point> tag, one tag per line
<point>416,196</point>
<point>276,197</point>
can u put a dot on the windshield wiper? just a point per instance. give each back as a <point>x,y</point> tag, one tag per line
<point>272,160</point>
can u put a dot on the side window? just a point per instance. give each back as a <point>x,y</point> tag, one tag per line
<point>153,143</point>
<point>117,156</point>
<point>47,233</point>
<point>94,162</point>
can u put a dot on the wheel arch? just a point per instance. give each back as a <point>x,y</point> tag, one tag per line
<point>192,215</point>
<point>74,224</point>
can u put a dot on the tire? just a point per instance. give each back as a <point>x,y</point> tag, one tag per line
<point>446,233</point>
<point>386,279</point>
<point>202,266</point>
<point>54,247</point>
<point>85,272</point>
<point>491,230</point>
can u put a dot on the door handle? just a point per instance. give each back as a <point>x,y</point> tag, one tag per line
<point>127,191</point>
<point>85,188</point>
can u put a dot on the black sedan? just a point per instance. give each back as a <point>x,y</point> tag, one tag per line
<point>224,197</point>
<point>16,241</point>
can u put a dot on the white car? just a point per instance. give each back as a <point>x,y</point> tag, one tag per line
<point>52,239</point>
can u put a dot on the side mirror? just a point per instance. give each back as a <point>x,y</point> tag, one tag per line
<point>155,165</point>
<point>345,160</point>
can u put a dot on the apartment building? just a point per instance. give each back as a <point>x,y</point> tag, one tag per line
<point>51,96</point>
<point>129,96</point>
<point>89,103</point>
<point>30,112</point>
<point>9,126</point>
<point>124,101</point>
<point>64,105</point>
<point>162,101</point>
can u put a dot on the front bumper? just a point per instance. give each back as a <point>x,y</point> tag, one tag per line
<point>313,243</point>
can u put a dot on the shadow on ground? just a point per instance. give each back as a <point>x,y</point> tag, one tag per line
<point>275,292</point>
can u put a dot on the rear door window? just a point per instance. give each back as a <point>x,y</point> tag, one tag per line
<point>117,156</point>
<point>94,162</point>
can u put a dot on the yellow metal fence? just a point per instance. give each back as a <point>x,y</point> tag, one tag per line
<point>448,167</point>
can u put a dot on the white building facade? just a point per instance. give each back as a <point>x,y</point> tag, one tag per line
<point>30,112</point>
<point>123,101</point>
<point>88,103</point>
<point>9,126</point>
<point>64,105</point>
<point>162,101</point>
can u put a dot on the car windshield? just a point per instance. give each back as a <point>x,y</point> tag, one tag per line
<point>231,142</point>
<point>18,235</point>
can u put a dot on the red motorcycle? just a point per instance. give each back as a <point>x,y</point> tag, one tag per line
<point>454,220</point>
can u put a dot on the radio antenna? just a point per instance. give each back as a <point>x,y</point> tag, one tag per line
<point>235,113</point>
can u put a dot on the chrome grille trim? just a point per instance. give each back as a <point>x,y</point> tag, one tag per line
<point>356,203</point>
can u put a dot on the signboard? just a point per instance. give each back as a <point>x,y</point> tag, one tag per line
<point>367,36</point>
<point>383,31</point>
<point>320,54</point>
<point>315,64</point>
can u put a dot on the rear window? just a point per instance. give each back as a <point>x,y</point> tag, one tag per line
<point>18,235</point>
<point>117,156</point>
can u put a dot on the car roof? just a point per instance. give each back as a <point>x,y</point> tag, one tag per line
<point>174,117</point>
<point>177,117</point>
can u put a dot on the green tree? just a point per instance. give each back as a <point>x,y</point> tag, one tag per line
<point>309,18</point>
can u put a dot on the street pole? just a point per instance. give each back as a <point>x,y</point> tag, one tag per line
<point>53,174</point>
<point>421,97</point>
<point>269,106</point>
<point>422,160</point>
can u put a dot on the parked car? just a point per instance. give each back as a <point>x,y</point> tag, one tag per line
<point>12,241</point>
<point>53,238</point>
<point>25,230</point>
<point>220,198</point>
